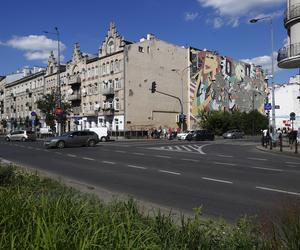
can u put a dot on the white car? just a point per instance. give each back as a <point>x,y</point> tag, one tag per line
<point>21,135</point>
<point>183,135</point>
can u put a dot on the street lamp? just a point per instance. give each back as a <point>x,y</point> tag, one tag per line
<point>59,106</point>
<point>255,20</point>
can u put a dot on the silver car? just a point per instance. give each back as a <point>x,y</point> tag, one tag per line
<point>21,135</point>
<point>75,138</point>
<point>233,134</point>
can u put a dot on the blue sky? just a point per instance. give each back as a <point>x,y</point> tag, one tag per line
<point>220,25</point>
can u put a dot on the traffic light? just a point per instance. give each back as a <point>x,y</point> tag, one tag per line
<point>153,87</point>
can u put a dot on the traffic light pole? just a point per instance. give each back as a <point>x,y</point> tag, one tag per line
<point>181,106</point>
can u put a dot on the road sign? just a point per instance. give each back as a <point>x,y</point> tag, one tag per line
<point>268,106</point>
<point>277,107</point>
<point>59,111</point>
<point>33,113</point>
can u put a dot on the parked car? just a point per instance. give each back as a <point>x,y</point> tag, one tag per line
<point>233,134</point>
<point>102,133</point>
<point>75,138</point>
<point>201,135</point>
<point>21,135</point>
<point>183,135</point>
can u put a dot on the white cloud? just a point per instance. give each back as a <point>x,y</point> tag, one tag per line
<point>35,47</point>
<point>189,16</point>
<point>218,22</point>
<point>265,62</point>
<point>231,11</point>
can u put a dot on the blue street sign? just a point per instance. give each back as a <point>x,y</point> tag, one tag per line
<point>268,106</point>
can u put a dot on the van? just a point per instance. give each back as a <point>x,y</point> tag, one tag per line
<point>102,133</point>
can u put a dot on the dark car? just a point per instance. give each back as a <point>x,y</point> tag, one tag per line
<point>233,134</point>
<point>201,135</point>
<point>75,138</point>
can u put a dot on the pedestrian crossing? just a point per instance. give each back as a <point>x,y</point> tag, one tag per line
<point>193,148</point>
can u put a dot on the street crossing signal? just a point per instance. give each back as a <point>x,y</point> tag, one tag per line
<point>153,87</point>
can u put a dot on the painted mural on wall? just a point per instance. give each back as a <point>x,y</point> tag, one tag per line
<point>221,83</point>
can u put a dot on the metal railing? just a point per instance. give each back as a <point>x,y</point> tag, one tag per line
<point>292,12</point>
<point>288,51</point>
<point>107,91</point>
<point>75,96</point>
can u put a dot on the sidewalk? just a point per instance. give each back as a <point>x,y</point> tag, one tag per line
<point>286,150</point>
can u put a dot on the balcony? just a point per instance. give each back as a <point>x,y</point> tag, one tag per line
<point>75,79</point>
<point>76,110</point>
<point>292,14</point>
<point>108,111</point>
<point>108,90</point>
<point>75,96</point>
<point>289,56</point>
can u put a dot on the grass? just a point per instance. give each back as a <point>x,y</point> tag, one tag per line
<point>38,213</point>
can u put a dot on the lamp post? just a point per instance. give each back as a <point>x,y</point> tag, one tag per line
<point>255,20</point>
<point>59,106</point>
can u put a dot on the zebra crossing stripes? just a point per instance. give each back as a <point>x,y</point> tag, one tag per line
<point>182,148</point>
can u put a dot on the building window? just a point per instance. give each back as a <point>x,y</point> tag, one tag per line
<point>141,49</point>
<point>110,47</point>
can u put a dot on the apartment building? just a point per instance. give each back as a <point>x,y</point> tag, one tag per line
<point>289,56</point>
<point>112,88</point>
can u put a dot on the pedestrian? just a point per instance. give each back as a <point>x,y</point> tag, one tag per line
<point>298,135</point>
<point>264,137</point>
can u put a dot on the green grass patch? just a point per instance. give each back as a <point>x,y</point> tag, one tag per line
<point>39,213</point>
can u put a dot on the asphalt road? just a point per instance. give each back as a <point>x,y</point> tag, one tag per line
<point>227,178</point>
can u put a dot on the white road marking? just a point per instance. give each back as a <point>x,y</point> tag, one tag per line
<point>193,160</point>
<point>225,163</point>
<point>58,153</point>
<point>269,169</point>
<point>120,151</point>
<point>291,166</point>
<point>109,162</point>
<point>289,162</point>
<point>178,148</point>
<point>169,172</point>
<point>278,191</point>
<point>256,159</point>
<point>200,149</point>
<point>45,150</point>
<point>37,149</point>
<point>29,147</point>
<point>228,156</point>
<point>87,158</point>
<point>163,156</point>
<point>138,153</point>
<point>186,148</point>
<point>71,155</point>
<point>216,180</point>
<point>138,167</point>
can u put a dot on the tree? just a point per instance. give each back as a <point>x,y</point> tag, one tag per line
<point>47,105</point>
<point>219,121</point>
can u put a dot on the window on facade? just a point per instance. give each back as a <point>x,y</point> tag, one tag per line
<point>141,49</point>
<point>110,47</point>
<point>117,104</point>
<point>247,69</point>
<point>148,49</point>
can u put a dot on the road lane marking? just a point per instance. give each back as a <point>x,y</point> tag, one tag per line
<point>269,169</point>
<point>120,151</point>
<point>138,153</point>
<point>193,160</point>
<point>163,156</point>
<point>138,167</point>
<point>30,147</point>
<point>109,162</point>
<point>224,163</point>
<point>256,159</point>
<point>168,172</point>
<point>87,158</point>
<point>200,149</point>
<point>289,162</point>
<point>217,180</point>
<point>45,150</point>
<point>278,190</point>
<point>291,166</point>
<point>228,156</point>
<point>58,153</point>
<point>71,155</point>
<point>178,148</point>
<point>186,148</point>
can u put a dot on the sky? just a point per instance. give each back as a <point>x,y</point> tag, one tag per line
<point>217,25</point>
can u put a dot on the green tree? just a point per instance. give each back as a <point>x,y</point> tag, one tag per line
<point>219,121</point>
<point>47,105</point>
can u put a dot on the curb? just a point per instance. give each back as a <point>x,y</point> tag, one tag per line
<point>276,151</point>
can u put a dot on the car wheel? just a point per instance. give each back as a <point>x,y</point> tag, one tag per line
<point>23,139</point>
<point>92,143</point>
<point>103,138</point>
<point>60,144</point>
<point>7,139</point>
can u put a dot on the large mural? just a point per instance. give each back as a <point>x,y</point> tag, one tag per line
<point>221,83</point>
